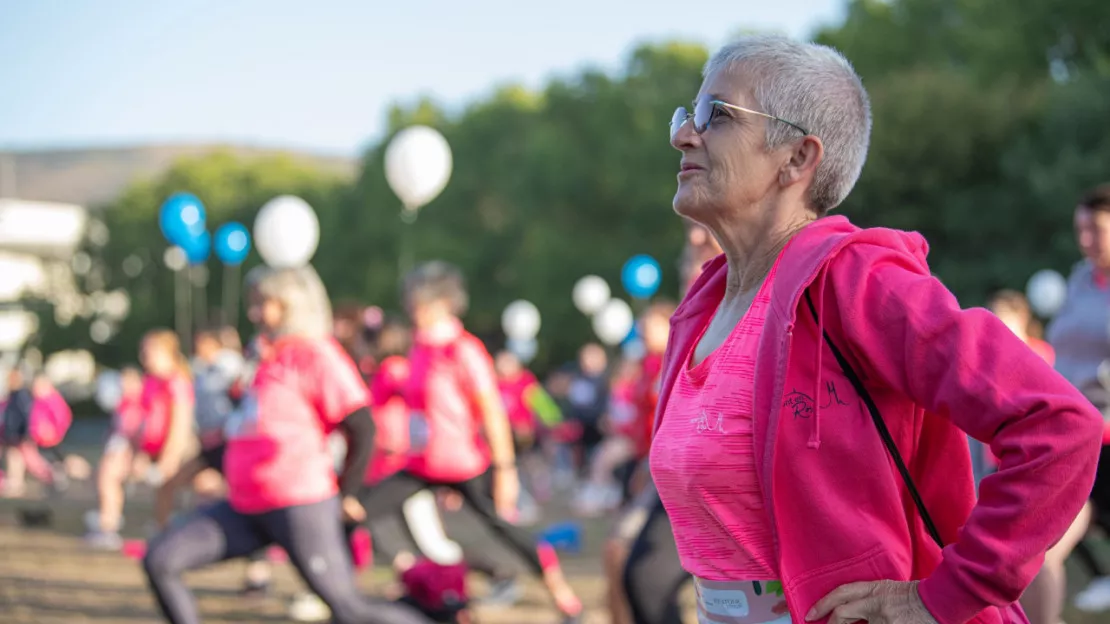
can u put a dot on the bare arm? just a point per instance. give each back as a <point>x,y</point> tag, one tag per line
<point>177,439</point>
<point>163,503</point>
<point>498,432</point>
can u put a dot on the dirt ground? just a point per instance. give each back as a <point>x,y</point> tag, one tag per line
<point>48,576</point>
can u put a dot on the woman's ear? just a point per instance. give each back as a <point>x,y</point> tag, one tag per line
<point>805,155</point>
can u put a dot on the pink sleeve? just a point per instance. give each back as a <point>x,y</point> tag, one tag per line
<point>477,368</point>
<point>337,385</point>
<point>908,332</point>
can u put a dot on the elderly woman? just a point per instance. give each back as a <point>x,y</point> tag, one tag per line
<point>808,443</point>
<point>282,487</point>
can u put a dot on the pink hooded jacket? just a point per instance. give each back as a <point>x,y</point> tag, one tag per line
<point>837,504</point>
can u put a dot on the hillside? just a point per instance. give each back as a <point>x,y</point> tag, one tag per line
<point>94,176</point>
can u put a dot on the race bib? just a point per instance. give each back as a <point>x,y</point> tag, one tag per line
<point>740,602</point>
<point>418,431</point>
<point>243,422</point>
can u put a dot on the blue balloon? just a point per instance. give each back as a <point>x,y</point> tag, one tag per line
<point>232,243</point>
<point>641,276</point>
<point>198,248</point>
<point>633,335</point>
<point>182,218</point>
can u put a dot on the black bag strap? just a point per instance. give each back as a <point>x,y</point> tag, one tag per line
<point>884,433</point>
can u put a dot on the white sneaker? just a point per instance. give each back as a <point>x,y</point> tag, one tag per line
<point>92,521</point>
<point>590,501</point>
<point>1096,597</point>
<point>307,607</point>
<point>611,497</point>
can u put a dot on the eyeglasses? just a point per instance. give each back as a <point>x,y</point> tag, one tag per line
<point>706,111</point>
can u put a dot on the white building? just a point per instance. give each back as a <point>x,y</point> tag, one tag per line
<point>40,249</point>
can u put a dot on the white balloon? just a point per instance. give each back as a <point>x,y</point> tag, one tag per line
<point>521,320</point>
<point>524,350</point>
<point>417,165</point>
<point>174,257</point>
<point>108,391</point>
<point>591,293</point>
<point>286,232</point>
<point>1046,291</point>
<point>613,322</point>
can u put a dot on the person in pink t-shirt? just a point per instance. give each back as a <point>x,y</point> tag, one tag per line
<point>460,436</point>
<point>32,418</point>
<point>820,383</point>
<point>515,383</point>
<point>157,443</point>
<point>282,486</point>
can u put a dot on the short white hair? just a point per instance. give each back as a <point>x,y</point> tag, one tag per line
<point>815,87</point>
<point>304,300</point>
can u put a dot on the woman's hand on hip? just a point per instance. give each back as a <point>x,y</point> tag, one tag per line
<point>877,602</point>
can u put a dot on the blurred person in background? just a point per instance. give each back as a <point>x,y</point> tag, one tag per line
<point>460,437</point>
<point>218,366</point>
<point>601,492</point>
<point>1080,335</point>
<point>216,369</point>
<point>564,435</point>
<point>34,417</point>
<point>641,559</point>
<point>123,432</point>
<point>587,399</point>
<point>282,486</point>
<point>521,394</point>
<point>419,529</point>
<point>807,320</point>
<point>1012,308</point>
<point>356,337</point>
<point>15,436</point>
<point>391,414</point>
<point>655,327</point>
<point>516,383</point>
<point>162,440</point>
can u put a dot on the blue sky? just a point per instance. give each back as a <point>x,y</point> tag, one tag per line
<point>314,74</point>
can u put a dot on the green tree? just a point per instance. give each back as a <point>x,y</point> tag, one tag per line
<point>232,189</point>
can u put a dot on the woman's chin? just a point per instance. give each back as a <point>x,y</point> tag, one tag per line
<point>688,204</point>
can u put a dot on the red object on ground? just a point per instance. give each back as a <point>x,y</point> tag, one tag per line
<point>134,549</point>
<point>436,587</point>
<point>362,552</point>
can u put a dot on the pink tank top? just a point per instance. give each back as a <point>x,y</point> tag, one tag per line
<point>703,464</point>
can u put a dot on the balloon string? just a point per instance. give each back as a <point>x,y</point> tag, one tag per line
<point>405,260</point>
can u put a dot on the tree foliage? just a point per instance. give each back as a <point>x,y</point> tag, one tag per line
<point>989,123</point>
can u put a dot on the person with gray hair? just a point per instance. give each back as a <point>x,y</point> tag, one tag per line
<point>281,483</point>
<point>806,320</point>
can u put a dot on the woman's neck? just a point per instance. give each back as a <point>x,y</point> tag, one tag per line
<point>752,248</point>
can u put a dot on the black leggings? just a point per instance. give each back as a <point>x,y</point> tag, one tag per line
<point>1100,499</point>
<point>392,534</point>
<point>1100,493</point>
<point>213,458</point>
<point>387,498</point>
<point>312,535</point>
<point>653,574</point>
